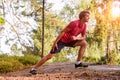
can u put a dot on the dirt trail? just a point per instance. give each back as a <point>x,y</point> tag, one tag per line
<point>66,71</point>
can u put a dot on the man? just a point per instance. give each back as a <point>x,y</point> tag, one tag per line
<point>69,38</point>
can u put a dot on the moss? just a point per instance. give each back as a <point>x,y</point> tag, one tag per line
<point>5,66</point>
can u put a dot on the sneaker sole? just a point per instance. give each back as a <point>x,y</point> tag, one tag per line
<point>81,67</point>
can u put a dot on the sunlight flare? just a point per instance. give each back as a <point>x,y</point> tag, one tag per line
<point>116,9</point>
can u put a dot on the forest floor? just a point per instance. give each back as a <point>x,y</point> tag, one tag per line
<point>66,71</point>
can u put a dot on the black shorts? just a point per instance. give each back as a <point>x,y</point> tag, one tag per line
<point>61,45</point>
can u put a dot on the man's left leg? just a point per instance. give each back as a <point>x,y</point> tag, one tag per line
<point>83,45</point>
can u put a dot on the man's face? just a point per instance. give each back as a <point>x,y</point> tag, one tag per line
<point>86,17</point>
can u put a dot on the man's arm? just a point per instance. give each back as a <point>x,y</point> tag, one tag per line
<point>78,38</point>
<point>69,27</point>
<point>59,37</point>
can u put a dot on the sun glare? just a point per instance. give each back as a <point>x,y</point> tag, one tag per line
<point>115,9</point>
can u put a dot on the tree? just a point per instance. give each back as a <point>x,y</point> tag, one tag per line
<point>106,30</point>
<point>53,25</point>
<point>17,25</point>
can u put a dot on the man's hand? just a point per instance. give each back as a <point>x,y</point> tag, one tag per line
<point>54,46</point>
<point>77,38</point>
<point>74,38</point>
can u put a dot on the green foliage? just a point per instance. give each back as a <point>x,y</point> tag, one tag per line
<point>112,59</point>
<point>5,57</point>
<point>60,58</point>
<point>91,59</point>
<point>37,44</point>
<point>14,63</point>
<point>8,63</point>
<point>90,38</point>
<point>28,59</point>
<point>100,31</point>
<point>5,66</point>
<point>53,26</point>
<point>2,21</point>
<point>15,49</point>
<point>17,65</point>
<point>8,66</point>
<point>93,53</point>
<point>83,5</point>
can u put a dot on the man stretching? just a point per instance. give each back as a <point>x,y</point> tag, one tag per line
<point>69,38</point>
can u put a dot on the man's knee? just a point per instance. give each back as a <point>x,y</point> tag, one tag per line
<point>83,43</point>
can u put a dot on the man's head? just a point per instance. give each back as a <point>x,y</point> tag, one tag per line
<point>84,15</point>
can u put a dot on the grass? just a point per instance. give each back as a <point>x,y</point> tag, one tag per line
<point>14,63</point>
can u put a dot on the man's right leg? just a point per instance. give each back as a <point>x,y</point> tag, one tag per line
<point>41,62</point>
<point>46,58</point>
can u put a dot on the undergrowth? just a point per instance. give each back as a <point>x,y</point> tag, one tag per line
<point>14,63</point>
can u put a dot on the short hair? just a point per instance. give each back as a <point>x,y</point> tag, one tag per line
<point>82,13</point>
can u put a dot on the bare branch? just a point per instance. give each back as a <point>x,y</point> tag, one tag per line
<point>16,33</point>
<point>3,8</point>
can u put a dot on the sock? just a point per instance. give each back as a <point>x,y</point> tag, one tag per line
<point>78,62</point>
<point>33,69</point>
